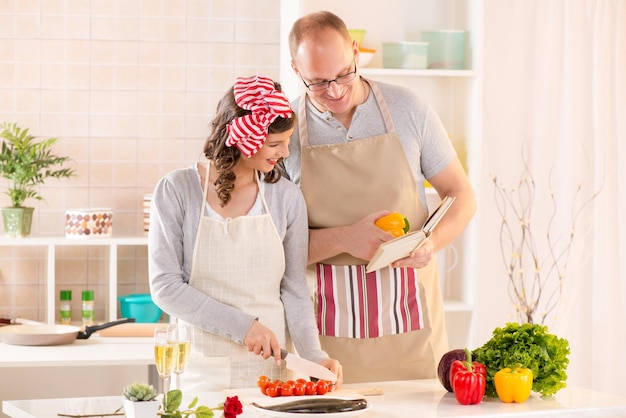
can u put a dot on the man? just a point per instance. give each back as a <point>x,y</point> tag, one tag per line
<point>361,150</point>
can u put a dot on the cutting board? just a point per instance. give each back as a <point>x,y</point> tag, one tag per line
<point>131,330</point>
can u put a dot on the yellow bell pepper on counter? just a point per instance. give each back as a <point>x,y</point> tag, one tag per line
<point>513,385</point>
<point>394,223</point>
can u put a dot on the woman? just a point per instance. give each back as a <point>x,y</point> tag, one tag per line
<point>227,251</point>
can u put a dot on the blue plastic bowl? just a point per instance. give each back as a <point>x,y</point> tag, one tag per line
<point>139,306</point>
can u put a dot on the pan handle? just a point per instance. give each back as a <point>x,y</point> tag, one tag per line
<point>90,329</point>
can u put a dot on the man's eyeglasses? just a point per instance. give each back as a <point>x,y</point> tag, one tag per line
<point>323,85</point>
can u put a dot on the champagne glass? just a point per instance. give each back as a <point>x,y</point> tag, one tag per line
<point>164,348</point>
<point>181,337</point>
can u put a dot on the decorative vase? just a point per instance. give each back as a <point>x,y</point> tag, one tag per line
<point>17,221</point>
<point>141,409</point>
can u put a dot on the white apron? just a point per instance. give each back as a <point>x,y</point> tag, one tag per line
<point>387,324</point>
<point>239,262</point>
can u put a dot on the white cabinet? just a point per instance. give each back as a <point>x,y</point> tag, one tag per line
<point>456,95</point>
<point>51,244</point>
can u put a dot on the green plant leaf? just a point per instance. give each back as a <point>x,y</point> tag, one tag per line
<point>204,412</point>
<point>27,163</point>
<point>173,400</point>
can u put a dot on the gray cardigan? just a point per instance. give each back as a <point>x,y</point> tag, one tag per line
<point>176,207</point>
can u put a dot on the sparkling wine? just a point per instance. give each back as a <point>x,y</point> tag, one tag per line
<point>164,357</point>
<point>182,356</point>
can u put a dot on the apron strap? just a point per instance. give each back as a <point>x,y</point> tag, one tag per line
<point>206,188</point>
<point>302,128</point>
<point>382,104</point>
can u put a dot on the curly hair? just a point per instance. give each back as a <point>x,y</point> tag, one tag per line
<point>224,157</point>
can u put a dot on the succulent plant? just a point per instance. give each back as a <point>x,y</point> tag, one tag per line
<point>138,392</point>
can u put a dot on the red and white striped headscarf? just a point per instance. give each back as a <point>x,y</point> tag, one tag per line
<point>258,95</point>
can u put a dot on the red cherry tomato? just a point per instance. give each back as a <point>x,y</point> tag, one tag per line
<point>298,389</point>
<point>321,387</point>
<point>262,381</point>
<point>309,388</point>
<point>286,389</point>
<point>301,380</point>
<point>272,390</point>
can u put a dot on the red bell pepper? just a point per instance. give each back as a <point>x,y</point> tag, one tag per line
<point>468,385</point>
<point>460,365</point>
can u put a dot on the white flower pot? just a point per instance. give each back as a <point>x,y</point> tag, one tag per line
<point>147,409</point>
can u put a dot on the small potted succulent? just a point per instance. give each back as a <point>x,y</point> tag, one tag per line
<point>140,401</point>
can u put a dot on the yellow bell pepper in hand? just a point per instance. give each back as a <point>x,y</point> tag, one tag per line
<point>394,223</point>
<point>513,385</point>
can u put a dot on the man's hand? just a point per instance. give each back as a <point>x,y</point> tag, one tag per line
<point>418,258</point>
<point>363,238</point>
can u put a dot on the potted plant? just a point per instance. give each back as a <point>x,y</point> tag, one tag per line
<point>25,163</point>
<point>140,401</point>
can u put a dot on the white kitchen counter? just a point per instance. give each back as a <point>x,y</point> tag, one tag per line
<point>92,367</point>
<point>418,398</point>
<point>94,351</point>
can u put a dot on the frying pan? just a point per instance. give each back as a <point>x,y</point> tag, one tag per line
<point>43,334</point>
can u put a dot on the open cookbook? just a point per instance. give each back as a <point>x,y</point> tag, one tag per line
<point>401,247</point>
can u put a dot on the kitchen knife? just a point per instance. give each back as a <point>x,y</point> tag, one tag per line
<point>307,367</point>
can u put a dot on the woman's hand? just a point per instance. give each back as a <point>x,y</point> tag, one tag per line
<point>335,367</point>
<point>261,341</point>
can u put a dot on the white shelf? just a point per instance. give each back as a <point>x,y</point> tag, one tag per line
<point>457,306</point>
<point>416,73</point>
<point>51,242</point>
<point>43,240</point>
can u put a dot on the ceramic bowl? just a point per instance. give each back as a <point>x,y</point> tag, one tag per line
<point>366,56</point>
<point>357,35</point>
<point>411,55</point>
<point>139,306</point>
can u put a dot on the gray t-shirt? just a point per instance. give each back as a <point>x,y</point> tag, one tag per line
<point>177,203</point>
<point>424,139</point>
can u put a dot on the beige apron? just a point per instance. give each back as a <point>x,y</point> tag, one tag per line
<point>239,262</point>
<point>388,324</point>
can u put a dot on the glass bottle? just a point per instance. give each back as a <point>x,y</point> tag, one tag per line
<point>88,307</point>
<point>65,307</point>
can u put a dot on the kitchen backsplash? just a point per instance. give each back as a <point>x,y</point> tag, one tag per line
<point>129,88</point>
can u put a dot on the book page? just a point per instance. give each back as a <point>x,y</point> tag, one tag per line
<point>397,248</point>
